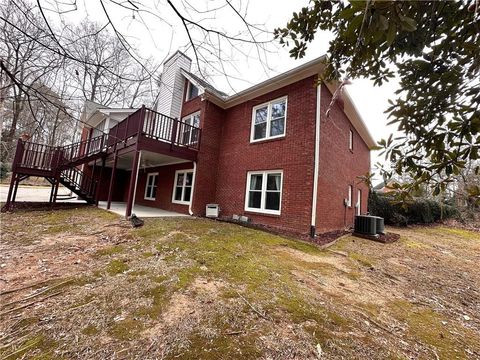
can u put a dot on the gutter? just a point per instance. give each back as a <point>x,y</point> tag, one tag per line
<point>193,188</point>
<point>316,164</point>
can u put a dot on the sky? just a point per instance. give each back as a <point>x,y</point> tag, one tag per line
<point>158,32</point>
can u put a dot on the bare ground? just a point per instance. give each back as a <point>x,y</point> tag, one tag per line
<point>80,283</point>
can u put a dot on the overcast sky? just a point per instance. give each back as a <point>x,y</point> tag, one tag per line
<point>160,33</point>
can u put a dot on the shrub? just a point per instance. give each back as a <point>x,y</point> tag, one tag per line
<point>418,211</point>
<point>4,169</point>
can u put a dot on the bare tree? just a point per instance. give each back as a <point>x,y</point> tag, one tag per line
<point>46,65</point>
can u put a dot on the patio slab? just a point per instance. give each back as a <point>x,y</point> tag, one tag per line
<point>139,210</point>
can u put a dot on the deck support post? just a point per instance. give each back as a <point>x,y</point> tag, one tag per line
<point>51,191</point>
<point>13,181</point>
<point>97,195</point>
<point>55,191</point>
<point>112,180</point>
<point>133,183</point>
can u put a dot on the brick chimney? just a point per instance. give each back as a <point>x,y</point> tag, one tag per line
<point>172,84</point>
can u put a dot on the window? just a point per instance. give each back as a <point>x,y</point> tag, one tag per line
<point>189,129</point>
<point>350,140</point>
<point>359,202</point>
<point>268,120</point>
<point>192,91</point>
<point>264,191</point>
<point>350,194</point>
<point>182,187</point>
<point>151,186</point>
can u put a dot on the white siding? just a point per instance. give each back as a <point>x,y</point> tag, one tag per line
<point>172,85</point>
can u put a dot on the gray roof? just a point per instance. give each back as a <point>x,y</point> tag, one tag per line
<point>205,85</point>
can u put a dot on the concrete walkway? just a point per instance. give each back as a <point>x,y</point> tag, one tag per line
<point>139,210</point>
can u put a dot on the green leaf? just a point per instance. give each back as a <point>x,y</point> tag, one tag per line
<point>408,24</point>
<point>391,33</point>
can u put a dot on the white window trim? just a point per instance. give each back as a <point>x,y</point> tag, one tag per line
<point>269,113</point>
<point>181,202</point>
<point>262,209</point>
<point>359,202</point>
<point>190,116</point>
<point>350,195</point>
<point>350,140</point>
<point>146,185</point>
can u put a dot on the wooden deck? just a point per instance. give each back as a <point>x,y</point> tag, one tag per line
<point>145,129</point>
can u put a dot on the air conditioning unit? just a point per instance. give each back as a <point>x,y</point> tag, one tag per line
<point>366,225</point>
<point>212,210</point>
<point>380,225</point>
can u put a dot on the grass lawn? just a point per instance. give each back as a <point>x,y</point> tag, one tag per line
<point>80,283</point>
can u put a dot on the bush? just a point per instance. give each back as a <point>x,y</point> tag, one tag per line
<point>419,211</point>
<point>4,170</point>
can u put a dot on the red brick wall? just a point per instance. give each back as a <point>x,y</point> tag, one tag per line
<point>207,164</point>
<point>166,177</point>
<point>211,121</point>
<point>293,154</point>
<point>339,167</point>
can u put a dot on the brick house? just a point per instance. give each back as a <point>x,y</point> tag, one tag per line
<point>268,153</point>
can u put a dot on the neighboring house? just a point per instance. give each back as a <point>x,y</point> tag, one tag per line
<point>268,152</point>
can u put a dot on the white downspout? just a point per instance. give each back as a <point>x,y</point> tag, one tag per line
<point>193,188</point>
<point>136,179</point>
<point>316,163</point>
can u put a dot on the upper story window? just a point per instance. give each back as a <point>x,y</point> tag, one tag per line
<point>268,120</point>
<point>192,91</point>
<point>350,140</point>
<point>189,129</point>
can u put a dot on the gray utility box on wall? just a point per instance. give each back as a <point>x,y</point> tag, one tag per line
<point>212,210</point>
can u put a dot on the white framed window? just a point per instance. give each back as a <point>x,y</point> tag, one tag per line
<point>359,202</point>
<point>264,191</point>
<point>189,129</point>
<point>182,187</point>
<point>151,186</point>
<point>269,120</point>
<point>350,140</point>
<point>350,194</point>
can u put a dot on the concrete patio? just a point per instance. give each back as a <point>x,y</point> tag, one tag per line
<point>39,194</point>
<point>139,210</point>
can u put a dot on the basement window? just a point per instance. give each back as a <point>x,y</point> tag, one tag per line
<point>269,120</point>
<point>182,187</point>
<point>264,191</point>
<point>151,186</point>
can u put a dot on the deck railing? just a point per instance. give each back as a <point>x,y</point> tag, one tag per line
<point>84,148</point>
<point>157,126</point>
<point>36,156</point>
<point>164,128</point>
<point>79,180</point>
<point>143,122</point>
